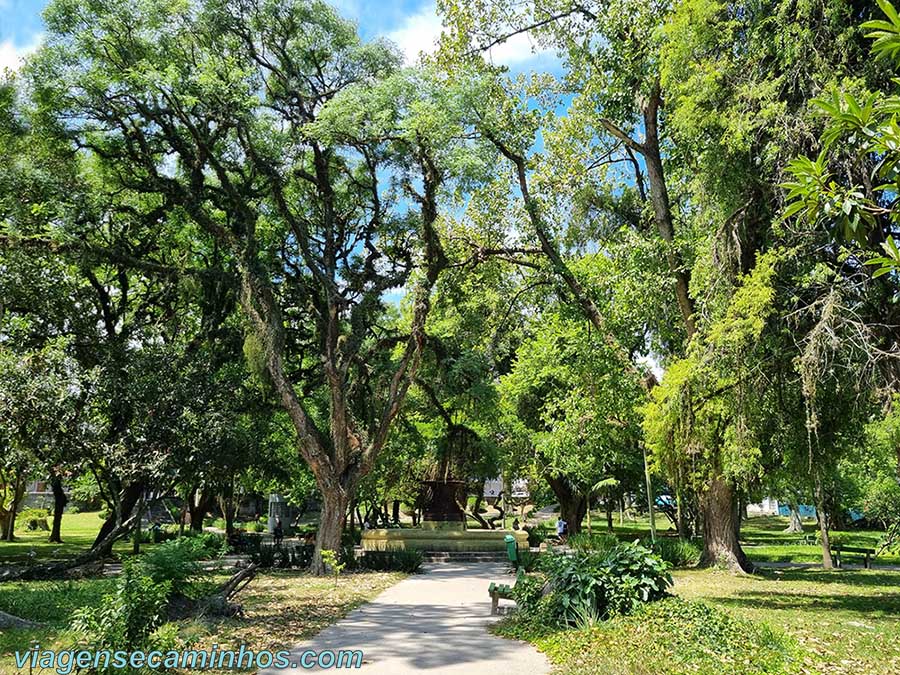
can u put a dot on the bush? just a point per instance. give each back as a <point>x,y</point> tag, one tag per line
<point>128,617</point>
<point>671,637</point>
<point>593,585</point>
<point>602,542</point>
<point>676,552</point>
<point>213,544</point>
<point>283,557</point>
<point>539,533</point>
<point>392,561</point>
<point>176,563</point>
<point>34,520</point>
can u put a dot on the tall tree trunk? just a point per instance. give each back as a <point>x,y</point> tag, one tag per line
<point>572,504</point>
<point>822,516</point>
<point>120,514</point>
<point>328,538</point>
<point>609,514</point>
<point>720,543</point>
<point>136,542</point>
<point>200,501</point>
<point>59,505</point>
<point>795,526</point>
<point>9,533</point>
<point>396,512</point>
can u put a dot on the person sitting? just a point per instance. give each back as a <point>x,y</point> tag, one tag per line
<point>562,529</point>
<point>278,532</point>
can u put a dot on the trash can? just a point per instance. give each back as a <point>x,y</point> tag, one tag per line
<point>512,549</point>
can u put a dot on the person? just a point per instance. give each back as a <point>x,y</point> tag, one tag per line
<point>562,528</point>
<point>515,523</point>
<point>278,532</point>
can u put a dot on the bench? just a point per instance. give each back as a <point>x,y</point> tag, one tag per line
<point>838,549</point>
<point>504,591</point>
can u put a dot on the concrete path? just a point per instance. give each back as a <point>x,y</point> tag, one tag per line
<point>430,623</point>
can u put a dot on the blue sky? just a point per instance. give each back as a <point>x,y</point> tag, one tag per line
<point>412,24</point>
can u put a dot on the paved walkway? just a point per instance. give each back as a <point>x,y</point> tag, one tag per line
<point>430,623</point>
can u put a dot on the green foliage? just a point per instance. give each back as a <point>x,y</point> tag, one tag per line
<point>677,552</point>
<point>671,637</point>
<point>175,563</point>
<point>129,617</point>
<point>295,556</point>
<point>333,563</point>
<point>601,584</point>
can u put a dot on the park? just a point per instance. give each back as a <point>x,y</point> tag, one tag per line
<point>541,336</point>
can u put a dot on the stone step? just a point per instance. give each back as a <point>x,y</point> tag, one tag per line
<point>464,556</point>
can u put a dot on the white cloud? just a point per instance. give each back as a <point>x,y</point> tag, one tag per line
<point>11,55</point>
<point>420,32</point>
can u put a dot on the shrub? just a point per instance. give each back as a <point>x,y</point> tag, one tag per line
<point>602,542</point>
<point>392,561</point>
<point>34,520</point>
<point>595,584</point>
<point>213,544</point>
<point>539,533</point>
<point>671,637</point>
<point>676,552</point>
<point>283,557</point>
<point>528,561</point>
<point>176,563</point>
<point>128,617</point>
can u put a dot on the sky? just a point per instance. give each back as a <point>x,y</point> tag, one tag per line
<point>412,24</point>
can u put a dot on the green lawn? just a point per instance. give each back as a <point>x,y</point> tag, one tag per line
<point>764,539</point>
<point>281,608</point>
<point>78,531</point>
<point>780,622</point>
<point>845,622</point>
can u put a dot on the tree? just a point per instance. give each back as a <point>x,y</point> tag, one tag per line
<point>219,119</point>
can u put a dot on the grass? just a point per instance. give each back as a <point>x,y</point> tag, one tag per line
<point>78,531</point>
<point>764,539</point>
<point>280,609</point>
<point>845,622</point>
<point>781,622</point>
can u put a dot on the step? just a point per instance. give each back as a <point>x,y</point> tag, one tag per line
<point>464,556</point>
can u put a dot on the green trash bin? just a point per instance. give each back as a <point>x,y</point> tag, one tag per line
<point>512,549</point>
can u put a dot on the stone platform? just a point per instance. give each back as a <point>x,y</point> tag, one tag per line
<point>441,538</point>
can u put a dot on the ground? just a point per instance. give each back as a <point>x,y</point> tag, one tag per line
<point>281,608</point>
<point>839,623</point>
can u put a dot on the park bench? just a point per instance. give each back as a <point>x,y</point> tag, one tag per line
<point>504,591</point>
<point>838,549</point>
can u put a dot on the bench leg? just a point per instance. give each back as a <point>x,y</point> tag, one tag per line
<point>495,604</point>
<point>868,562</point>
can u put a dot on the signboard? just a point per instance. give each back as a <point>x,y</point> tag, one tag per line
<point>493,487</point>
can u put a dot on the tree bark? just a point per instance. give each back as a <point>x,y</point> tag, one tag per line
<point>572,504</point>
<point>18,493</point>
<point>609,515</point>
<point>59,504</point>
<point>795,526</point>
<point>822,516</point>
<point>720,543</point>
<point>120,514</point>
<point>334,505</point>
<point>200,501</point>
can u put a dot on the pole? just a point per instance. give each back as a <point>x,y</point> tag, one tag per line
<point>649,495</point>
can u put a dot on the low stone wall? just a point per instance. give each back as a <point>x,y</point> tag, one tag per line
<point>440,539</point>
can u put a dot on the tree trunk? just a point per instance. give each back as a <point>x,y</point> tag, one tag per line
<point>609,515</point>
<point>822,515</point>
<point>199,504</point>
<point>662,212</point>
<point>136,541</point>
<point>18,493</point>
<point>127,501</point>
<point>796,524</point>
<point>572,505</point>
<point>720,543</point>
<point>59,504</point>
<point>396,512</point>
<point>328,538</point>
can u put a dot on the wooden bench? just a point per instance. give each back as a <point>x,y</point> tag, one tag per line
<point>838,549</point>
<point>504,591</point>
